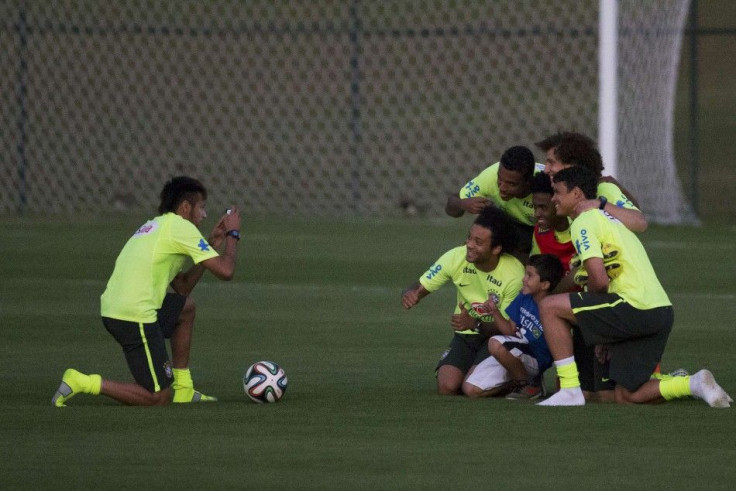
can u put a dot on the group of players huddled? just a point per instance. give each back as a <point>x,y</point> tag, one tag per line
<point>552,272</point>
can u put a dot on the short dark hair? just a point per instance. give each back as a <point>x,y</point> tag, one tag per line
<point>553,141</point>
<point>541,184</point>
<point>503,232</point>
<point>579,177</point>
<point>576,151</point>
<point>180,189</point>
<point>549,268</point>
<point>519,159</point>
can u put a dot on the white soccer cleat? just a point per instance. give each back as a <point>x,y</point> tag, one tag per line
<point>704,386</point>
<point>565,397</point>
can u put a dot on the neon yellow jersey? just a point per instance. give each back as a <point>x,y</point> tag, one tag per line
<point>148,262</point>
<point>614,195</point>
<point>475,286</point>
<point>486,186</point>
<point>638,283</point>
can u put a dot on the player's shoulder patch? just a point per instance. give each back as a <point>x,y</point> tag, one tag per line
<point>147,228</point>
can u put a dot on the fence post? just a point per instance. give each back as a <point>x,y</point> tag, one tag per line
<point>22,28</point>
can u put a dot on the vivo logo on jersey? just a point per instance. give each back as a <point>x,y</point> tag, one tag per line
<point>433,271</point>
<point>471,189</point>
<point>493,280</point>
<point>146,229</point>
<point>583,243</point>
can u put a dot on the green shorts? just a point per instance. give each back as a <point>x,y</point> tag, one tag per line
<point>636,338</point>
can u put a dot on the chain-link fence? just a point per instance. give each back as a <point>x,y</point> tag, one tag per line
<point>316,108</point>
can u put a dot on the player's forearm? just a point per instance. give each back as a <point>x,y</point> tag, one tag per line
<point>488,329</point>
<point>505,326</point>
<point>187,281</point>
<point>230,256</point>
<point>634,220</point>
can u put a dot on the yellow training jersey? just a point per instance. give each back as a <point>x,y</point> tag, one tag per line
<point>637,284</point>
<point>475,286</point>
<point>149,261</point>
<point>614,195</point>
<point>486,186</point>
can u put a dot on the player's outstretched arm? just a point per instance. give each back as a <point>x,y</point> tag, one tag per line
<point>457,206</point>
<point>632,219</point>
<point>412,294</point>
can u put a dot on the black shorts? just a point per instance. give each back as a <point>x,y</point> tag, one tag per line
<point>636,338</point>
<point>144,345</point>
<point>593,374</point>
<point>169,313</point>
<point>466,350</point>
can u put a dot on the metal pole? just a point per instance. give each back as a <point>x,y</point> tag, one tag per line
<point>608,84</point>
<point>355,127</point>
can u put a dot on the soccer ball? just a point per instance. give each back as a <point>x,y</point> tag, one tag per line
<point>265,381</point>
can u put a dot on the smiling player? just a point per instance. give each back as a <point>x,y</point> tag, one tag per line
<point>480,269</point>
<point>504,185</point>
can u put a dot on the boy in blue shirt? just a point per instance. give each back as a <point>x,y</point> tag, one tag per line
<point>519,355</point>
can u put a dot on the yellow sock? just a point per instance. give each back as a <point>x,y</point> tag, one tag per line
<point>95,384</point>
<point>675,388</point>
<point>182,379</point>
<point>567,370</point>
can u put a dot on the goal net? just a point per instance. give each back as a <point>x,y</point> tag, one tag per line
<point>327,107</point>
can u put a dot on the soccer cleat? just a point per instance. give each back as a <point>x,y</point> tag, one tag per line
<point>704,386</point>
<point>190,395</point>
<point>565,397</point>
<point>72,383</point>
<point>526,392</point>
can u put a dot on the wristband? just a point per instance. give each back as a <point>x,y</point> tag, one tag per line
<point>603,201</point>
<point>233,233</point>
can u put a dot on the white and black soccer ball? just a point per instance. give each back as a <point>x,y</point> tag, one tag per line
<point>265,381</point>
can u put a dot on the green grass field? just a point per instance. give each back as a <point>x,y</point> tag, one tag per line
<point>322,298</point>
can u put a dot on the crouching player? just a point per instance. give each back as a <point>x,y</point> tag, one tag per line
<point>629,312</point>
<point>519,355</point>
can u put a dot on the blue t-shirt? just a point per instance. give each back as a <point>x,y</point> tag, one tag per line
<point>525,313</point>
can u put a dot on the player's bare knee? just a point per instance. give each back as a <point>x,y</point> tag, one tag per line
<point>190,308</point>
<point>448,387</point>
<point>494,347</point>
<point>472,391</point>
